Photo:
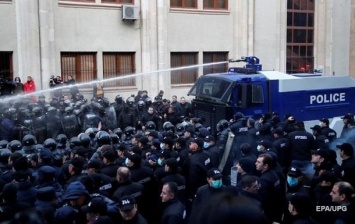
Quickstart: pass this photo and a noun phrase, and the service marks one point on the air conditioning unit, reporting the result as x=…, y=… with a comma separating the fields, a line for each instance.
x=130, y=12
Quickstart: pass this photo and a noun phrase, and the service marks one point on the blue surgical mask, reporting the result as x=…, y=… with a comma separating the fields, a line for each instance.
x=160, y=162
x=216, y=184
x=162, y=146
x=292, y=181
x=205, y=145
x=126, y=161
x=259, y=148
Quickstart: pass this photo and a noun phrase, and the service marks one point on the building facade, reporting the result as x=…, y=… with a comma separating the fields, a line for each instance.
x=151, y=39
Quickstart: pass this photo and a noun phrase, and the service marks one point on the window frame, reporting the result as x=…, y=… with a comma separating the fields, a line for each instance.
x=215, y=5
x=300, y=53
x=183, y=4
x=78, y=73
x=118, y=62
x=183, y=72
x=7, y=57
x=214, y=55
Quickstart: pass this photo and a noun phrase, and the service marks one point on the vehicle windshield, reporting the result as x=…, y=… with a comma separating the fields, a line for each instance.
x=212, y=89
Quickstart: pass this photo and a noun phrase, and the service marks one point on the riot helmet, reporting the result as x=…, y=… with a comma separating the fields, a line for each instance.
x=148, y=101
x=4, y=155
x=68, y=110
x=103, y=138
x=84, y=139
x=168, y=126
x=129, y=131
x=119, y=99
x=3, y=144
x=14, y=145
x=179, y=129
x=50, y=144
x=114, y=138
x=221, y=125
x=37, y=111
x=90, y=132
x=118, y=132
x=74, y=141
x=130, y=101
x=61, y=139
x=29, y=140
x=141, y=104
x=197, y=127
x=150, y=126
x=11, y=113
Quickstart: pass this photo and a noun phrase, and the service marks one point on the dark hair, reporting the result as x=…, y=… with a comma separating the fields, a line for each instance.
x=347, y=151
x=251, y=122
x=267, y=159
x=89, y=183
x=248, y=180
x=228, y=207
x=245, y=148
x=173, y=188
x=346, y=189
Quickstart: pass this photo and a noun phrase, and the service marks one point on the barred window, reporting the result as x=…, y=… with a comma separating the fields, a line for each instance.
x=81, y=65
x=215, y=4
x=184, y=76
x=300, y=32
x=211, y=57
x=77, y=0
x=118, y=1
x=6, y=66
x=118, y=64
x=183, y=3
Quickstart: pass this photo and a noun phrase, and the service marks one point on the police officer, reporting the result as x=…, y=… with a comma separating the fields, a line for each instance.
x=321, y=141
x=145, y=176
x=214, y=186
x=53, y=123
x=281, y=146
x=196, y=167
x=174, y=210
x=75, y=196
x=9, y=131
x=301, y=144
x=70, y=123
x=125, y=186
x=39, y=124
x=326, y=130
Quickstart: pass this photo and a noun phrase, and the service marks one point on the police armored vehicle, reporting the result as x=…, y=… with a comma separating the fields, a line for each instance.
x=252, y=91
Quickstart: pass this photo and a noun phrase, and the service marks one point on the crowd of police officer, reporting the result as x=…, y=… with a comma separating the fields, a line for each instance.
x=60, y=155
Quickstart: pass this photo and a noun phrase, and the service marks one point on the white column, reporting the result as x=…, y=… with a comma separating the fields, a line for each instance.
x=163, y=57
x=47, y=41
x=28, y=41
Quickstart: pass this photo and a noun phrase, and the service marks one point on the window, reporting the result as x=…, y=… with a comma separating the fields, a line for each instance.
x=6, y=66
x=118, y=65
x=77, y=0
x=300, y=33
x=82, y=66
x=183, y=3
x=183, y=76
x=212, y=57
x=118, y=1
x=215, y=4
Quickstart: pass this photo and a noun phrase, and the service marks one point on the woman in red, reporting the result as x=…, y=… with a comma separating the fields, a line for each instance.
x=29, y=87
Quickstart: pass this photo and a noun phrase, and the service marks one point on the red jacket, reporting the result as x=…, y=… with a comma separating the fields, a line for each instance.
x=29, y=87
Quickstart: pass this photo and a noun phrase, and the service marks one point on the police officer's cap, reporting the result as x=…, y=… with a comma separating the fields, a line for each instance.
x=46, y=194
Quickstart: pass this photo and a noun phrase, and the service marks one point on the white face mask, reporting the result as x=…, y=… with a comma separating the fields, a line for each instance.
x=259, y=148
x=162, y=146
